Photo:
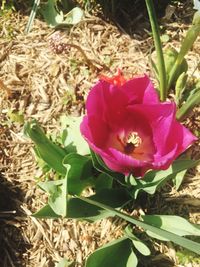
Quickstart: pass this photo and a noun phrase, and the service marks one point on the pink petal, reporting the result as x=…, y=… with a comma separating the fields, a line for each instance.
x=120, y=162
x=140, y=90
x=94, y=130
x=160, y=117
x=108, y=102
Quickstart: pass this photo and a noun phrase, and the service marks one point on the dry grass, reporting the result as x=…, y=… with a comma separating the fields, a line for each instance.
x=42, y=84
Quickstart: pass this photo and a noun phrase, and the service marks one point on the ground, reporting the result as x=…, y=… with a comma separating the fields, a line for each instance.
x=38, y=82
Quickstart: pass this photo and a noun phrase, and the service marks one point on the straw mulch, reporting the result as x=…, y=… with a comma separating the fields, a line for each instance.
x=39, y=82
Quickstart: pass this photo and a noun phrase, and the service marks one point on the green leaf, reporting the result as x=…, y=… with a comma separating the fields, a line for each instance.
x=139, y=245
x=48, y=151
x=80, y=174
x=173, y=224
x=170, y=56
x=178, y=179
x=73, y=140
x=46, y=212
x=52, y=17
x=63, y=263
x=79, y=209
x=153, y=180
x=55, y=18
x=187, y=43
x=182, y=241
x=192, y=101
x=117, y=253
x=180, y=86
x=103, y=181
x=57, y=191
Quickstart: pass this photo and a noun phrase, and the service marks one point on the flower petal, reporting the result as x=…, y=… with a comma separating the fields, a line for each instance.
x=118, y=111
x=125, y=164
x=108, y=102
x=140, y=90
x=94, y=130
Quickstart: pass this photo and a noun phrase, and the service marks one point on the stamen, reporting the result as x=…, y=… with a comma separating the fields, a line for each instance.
x=134, y=139
x=130, y=142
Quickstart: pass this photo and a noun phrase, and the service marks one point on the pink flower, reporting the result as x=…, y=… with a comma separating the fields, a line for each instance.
x=130, y=128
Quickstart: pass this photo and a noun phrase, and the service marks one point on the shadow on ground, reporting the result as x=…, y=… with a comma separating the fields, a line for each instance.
x=132, y=18
x=13, y=246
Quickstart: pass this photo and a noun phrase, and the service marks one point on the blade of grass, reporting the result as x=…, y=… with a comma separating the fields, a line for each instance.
x=179, y=240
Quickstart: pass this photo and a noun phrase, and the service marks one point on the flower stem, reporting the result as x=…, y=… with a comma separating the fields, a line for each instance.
x=158, y=47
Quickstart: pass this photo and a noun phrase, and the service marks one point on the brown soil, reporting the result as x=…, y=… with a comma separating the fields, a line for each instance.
x=43, y=84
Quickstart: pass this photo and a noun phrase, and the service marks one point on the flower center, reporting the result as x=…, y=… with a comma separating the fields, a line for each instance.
x=133, y=138
x=130, y=142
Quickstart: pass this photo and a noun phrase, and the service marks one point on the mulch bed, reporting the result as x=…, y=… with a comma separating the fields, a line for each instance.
x=41, y=83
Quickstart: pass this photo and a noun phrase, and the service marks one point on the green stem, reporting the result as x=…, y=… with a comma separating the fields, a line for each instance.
x=158, y=47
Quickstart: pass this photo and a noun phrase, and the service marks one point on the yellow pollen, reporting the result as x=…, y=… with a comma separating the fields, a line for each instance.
x=134, y=139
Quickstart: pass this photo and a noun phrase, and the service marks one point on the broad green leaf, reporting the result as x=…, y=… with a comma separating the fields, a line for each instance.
x=170, y=56
x=156, y=236
x=57, y=191
x=73, y=139
x=48, y=151
x=132, y=260
x=46, y=212
x=55, y=17
x=80, y=174
x=58, y=199
x=182, y=241
x=173, y=224
x=79, y=209
x=178, y=179
x=40, y=162
x=103, y=181
x=117, y=253
x=138, y=244
x=52, y=17
x=63, y=263
x=153, y=180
